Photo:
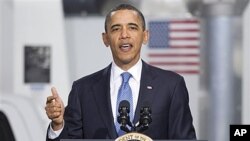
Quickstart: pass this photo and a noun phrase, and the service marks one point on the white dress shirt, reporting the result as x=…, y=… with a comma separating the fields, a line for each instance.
x=115, y=82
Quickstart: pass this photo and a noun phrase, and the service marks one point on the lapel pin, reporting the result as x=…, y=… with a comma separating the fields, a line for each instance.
x=149, y=87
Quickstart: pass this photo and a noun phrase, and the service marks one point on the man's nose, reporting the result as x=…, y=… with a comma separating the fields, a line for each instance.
x=124, y=33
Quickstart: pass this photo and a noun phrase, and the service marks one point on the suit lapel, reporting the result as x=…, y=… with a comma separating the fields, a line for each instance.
x=146, y=93
x=102, y=95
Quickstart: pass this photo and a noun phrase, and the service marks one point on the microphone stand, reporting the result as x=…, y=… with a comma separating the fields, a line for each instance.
x=145, y=119
x=124, y=120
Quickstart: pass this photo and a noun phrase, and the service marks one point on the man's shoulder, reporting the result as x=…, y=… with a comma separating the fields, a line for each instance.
x=162, y=72
x=165, y=78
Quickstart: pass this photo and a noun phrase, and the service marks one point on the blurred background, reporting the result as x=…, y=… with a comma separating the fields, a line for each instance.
x=45, y=43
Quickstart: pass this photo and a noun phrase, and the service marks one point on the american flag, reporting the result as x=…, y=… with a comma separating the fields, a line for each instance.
x=175, y=45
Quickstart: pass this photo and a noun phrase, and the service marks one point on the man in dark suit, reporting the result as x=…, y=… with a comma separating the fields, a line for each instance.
x=91, y=110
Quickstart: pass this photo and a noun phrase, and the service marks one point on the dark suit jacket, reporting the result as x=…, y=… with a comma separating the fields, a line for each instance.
x=88, y=113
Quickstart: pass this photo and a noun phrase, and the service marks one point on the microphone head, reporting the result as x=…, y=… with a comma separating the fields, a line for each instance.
x=145, y=114
x=124, y=106
x=123, y=117
x=124, y=103
x=145, y=117
x=145, y=108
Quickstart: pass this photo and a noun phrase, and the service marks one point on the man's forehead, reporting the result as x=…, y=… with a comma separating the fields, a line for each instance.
x=127, y=17
x=123, y=10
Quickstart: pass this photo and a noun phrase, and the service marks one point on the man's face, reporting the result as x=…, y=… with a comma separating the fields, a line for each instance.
x=125, y=37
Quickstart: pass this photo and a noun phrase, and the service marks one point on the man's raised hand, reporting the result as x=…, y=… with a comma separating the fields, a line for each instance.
x=55, y=109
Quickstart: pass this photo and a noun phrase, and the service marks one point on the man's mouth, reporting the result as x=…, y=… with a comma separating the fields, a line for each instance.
x=125, y=47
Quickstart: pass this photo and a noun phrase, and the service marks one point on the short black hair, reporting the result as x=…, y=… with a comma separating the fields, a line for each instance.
x=125, y=7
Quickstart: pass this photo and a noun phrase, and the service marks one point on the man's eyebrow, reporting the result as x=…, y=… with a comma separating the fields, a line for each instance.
x=118, y=25
x=134, y=24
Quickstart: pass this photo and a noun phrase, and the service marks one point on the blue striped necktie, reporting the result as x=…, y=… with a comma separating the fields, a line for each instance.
x=124, y=93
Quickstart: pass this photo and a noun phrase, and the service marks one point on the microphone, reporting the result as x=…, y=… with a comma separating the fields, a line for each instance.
x=145, y=118
x=123, y=117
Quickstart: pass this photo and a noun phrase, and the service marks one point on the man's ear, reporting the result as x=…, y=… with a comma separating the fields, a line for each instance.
x=145, y=37
x=105, y=39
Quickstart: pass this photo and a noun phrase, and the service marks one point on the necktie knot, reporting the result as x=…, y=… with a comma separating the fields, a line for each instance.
x=125, y=77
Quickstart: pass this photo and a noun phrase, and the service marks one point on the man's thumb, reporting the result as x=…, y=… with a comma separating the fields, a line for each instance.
x=55, y=94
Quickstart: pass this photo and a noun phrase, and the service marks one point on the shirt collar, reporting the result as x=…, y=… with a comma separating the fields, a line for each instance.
x=135, y=71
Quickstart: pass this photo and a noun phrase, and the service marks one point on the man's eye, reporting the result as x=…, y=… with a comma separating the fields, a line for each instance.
x=114, y=29
x=133, y=28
